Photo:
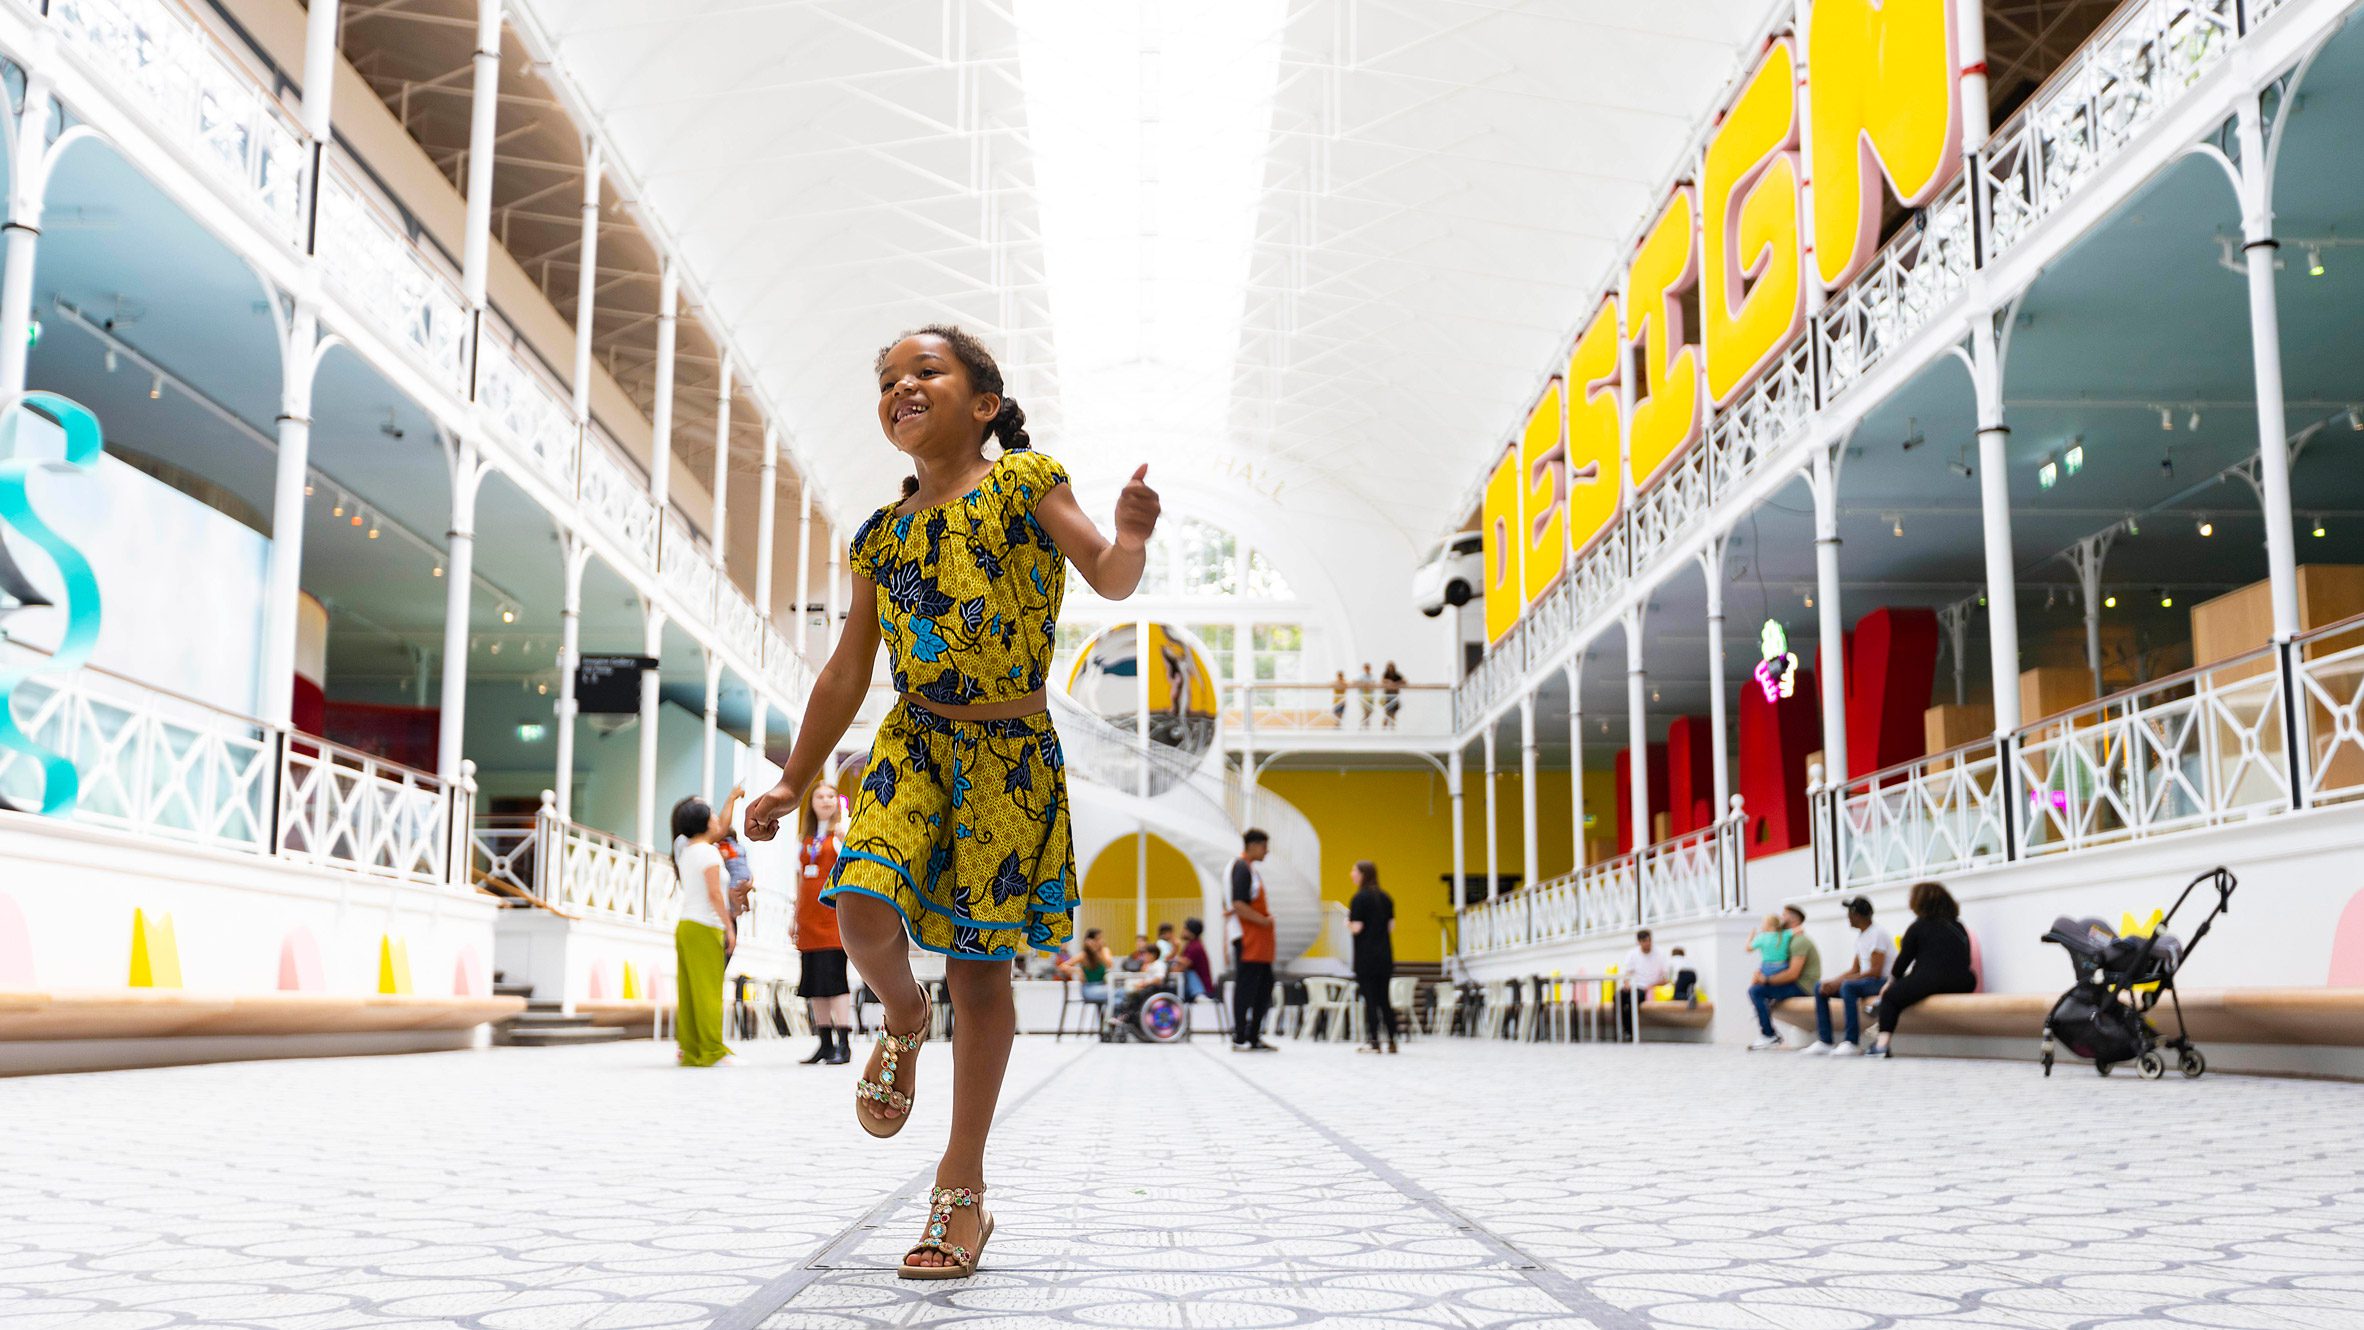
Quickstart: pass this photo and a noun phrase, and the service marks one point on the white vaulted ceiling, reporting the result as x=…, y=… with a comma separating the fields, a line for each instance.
x=1324, y=249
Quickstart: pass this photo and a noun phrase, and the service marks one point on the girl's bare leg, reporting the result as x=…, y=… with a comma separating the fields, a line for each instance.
x=985, y=1020
x=874, y=941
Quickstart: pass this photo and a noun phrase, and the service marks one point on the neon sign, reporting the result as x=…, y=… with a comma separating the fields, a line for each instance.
x=1777, y=672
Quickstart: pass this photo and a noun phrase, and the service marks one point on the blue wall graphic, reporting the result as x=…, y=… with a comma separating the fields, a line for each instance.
x=61, y=786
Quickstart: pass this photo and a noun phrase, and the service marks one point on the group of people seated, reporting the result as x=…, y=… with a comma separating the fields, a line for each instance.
x=1934, y=956
x=1151, y=964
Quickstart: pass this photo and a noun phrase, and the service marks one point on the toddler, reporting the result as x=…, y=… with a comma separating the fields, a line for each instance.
x=1771, y=944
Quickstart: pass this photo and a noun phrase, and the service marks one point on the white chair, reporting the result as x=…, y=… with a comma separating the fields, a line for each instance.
x=1333, y=998
x=1403, y=994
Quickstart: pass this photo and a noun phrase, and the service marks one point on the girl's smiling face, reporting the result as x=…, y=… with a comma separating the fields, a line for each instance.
x=926, y=403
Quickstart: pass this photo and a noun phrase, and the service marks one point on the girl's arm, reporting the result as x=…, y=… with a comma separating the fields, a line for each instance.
x=1113, y=568
x=837, y=695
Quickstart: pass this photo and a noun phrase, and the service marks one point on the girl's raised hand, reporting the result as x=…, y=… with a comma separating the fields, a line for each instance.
x=1136, y=509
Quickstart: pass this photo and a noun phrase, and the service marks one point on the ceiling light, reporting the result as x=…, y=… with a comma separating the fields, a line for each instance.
x=1896, y=526
x=2109, y=602
x=357, y=517
x=2133, y=526
x=2314, y=260
x=542, y=689
x=1809, y=600
x=2050, y=595
x=307, y=491
x=2167, y=466
x=2194, y=422
x=496, y=648
x=111, y=360
x=1960, y=468
x=1653, y=694
x=2356, y=419
x=2207, y=528
x=2166, y=602
x=373, y=531
x=2318, y=532
x=1913, y=437
x=155, y=387
x=2167, y=420
x=439, y=570
x=339, y=510
x=508, y=615
x=2048, y=474
x=2073, y=460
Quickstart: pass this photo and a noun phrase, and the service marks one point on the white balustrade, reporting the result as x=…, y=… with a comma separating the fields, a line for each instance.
x=1922, y=271
x=2330, y=668
x=685, y=568
x=615, y=496
x=1937, y=815
x=148, y=762
x=1770, y=412
x=737, y=621
x=1692, y=876
x=523, y=401
x=371, y=256
x=593, y=872
x=2196, y=749
x=1670, y=508
x=1281, y=709
x=343, y=808
x=219, y=113
x=2123, y=77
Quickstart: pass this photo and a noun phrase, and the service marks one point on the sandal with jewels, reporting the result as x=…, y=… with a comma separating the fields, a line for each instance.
x=888, y=1108
x=941, y=1203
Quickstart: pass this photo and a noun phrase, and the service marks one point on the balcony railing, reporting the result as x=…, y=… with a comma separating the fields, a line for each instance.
x=2204, y=748
x=576, y=870
x=216, y=109
x=196, y=96
x=2118, y=83
x=1693, y=876
x=1284, y=709
x=155, y=764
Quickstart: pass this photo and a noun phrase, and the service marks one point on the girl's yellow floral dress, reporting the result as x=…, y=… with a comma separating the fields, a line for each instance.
x=962, y=825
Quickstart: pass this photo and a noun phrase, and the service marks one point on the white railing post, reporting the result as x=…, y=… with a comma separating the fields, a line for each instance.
x=660, y=416
x=29, y=181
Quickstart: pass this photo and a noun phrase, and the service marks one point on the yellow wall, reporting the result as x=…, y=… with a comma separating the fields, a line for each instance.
x=1402, y=822
x=1110, y=876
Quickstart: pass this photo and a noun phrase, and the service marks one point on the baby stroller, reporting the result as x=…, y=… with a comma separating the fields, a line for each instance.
x=2106, y=1016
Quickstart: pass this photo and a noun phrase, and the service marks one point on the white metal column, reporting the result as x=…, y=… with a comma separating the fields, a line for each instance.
x=660, y=415
x=1994, y=504
x=1832, y=661
x=834, y=596
x=320, y=70
x=1141, y=659
x=767, y=505
x=1637, y=737
x=29, y=181
x=804, y=566
x=576, y=557
x=1530, y=838
x=1493, y=824
x=1453, y=792
x=586, y=285
x=1711, y=562
x=722, y=468
x=459, y=581
x=1576, y=757
x=707, y=739
x=652, y=638
x=2258, y=248
x=298, y=357
x=483, y=121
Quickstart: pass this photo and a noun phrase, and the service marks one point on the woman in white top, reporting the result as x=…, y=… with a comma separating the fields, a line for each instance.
x=703, y=940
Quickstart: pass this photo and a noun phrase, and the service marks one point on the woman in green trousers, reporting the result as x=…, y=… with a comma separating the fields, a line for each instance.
x=703, y=940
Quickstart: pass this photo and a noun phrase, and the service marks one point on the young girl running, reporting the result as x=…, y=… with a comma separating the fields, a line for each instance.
x=959, y=836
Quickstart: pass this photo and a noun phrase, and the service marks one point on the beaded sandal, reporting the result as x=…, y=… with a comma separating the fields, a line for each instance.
x=894, y=1106
x=941, y=1202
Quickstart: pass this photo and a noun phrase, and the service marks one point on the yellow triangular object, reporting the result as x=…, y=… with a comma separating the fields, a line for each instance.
x=631, y=982
x=393, y=966
x=155, y=953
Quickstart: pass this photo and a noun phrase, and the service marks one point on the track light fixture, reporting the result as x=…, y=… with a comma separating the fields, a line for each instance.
x=2318, y=532
x=508, y=614
x=112, y=361
x=2207, y=527
x=155, y=387
x=2314, y=260
x=2109, y=602
x=2167, y=420
x=2194, y=421
x=2166, y=601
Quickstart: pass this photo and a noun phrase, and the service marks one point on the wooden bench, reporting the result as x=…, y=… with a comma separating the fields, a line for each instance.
x=1684, y=1015
x=149, y=1013
x=636, y=1014
x=2322, y=1016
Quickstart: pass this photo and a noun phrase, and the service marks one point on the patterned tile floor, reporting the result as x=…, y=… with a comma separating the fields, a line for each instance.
x=1456, y=1185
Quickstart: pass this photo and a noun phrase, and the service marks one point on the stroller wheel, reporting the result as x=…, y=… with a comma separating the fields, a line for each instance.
x=2151, y=1065
x=2192, y=1064
x=2047, y=1062
x=2103, y=1068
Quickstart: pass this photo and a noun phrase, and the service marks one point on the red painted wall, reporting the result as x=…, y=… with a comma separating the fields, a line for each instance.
x=1775, y=739
x=408, y=735
x=1891, y=664
x=1690, y=775
x=1657, y=780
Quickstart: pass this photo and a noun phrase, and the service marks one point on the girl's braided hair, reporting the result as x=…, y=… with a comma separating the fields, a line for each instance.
x=1008, y=424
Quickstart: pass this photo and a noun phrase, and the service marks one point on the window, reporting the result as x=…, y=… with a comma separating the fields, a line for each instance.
x=1219, y=639
x=1279, y=652
x=1265, y=581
